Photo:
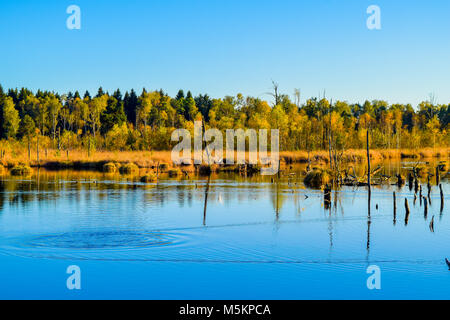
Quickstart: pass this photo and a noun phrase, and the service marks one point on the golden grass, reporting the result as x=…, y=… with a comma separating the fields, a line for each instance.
x=358, y=155
x=151, y=159
x=143, y=159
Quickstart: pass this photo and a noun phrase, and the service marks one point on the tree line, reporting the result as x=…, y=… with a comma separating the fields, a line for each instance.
x=145, y=121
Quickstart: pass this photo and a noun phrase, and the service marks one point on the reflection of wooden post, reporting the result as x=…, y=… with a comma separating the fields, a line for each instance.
x=395, y=208
x=369, y=222
x=279, y=168
x=206, y=201
x=425, y=201
x=327, y=197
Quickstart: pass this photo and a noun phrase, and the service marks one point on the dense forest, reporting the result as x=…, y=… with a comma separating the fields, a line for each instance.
x=145, y=121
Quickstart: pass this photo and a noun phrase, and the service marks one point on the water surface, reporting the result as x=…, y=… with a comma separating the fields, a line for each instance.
x=256, y=238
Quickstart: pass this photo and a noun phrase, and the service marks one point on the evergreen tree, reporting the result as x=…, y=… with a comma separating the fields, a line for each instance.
x=14, y=94
x=130, y=106
x=10, y=118
x=87, y=95
x=113, y=114
x=100, y=92
x=204, y=104
x=180, y=95
x=118, y=95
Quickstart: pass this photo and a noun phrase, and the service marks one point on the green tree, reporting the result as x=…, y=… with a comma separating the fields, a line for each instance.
x=54, y=107
x=96, y=107
x=27, y=129
x=10, y=118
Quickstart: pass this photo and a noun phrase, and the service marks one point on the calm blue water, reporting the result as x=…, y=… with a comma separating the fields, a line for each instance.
x=258, y=240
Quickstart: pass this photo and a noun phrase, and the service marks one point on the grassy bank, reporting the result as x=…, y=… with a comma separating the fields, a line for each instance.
x=79, y=159
x=360, y=155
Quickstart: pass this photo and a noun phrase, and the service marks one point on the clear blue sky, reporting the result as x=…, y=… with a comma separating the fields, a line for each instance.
x=230, y=46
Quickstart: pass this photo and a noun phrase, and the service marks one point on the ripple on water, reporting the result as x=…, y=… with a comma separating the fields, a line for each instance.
x=93, y=245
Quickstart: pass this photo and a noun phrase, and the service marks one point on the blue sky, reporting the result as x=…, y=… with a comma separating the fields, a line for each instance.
x=229, y=46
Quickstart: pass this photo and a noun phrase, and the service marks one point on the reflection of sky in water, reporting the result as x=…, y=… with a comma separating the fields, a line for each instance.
x=276, y=239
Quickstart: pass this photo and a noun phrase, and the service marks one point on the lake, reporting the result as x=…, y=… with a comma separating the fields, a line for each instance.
x=223, y=237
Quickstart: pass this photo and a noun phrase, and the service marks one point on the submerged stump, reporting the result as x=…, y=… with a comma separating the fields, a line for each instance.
x=21, y=170
x=110, y=167
x=129, y=168
x=317, y=179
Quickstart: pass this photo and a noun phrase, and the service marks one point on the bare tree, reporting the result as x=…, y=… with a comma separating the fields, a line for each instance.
x=297, y=97
x=275, y=93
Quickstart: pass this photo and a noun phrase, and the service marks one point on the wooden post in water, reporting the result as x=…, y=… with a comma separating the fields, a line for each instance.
x=429, y=189
x=432, y=224
x=437, y=176
x=420, y=194
x=425, y=201
x=410, y=181
x=429, y=196
x=416, y=185
x=368, y=161
x=329, y=138
x=157, y=172
x=329, y=150
x=407, y=211
x=442, y=198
